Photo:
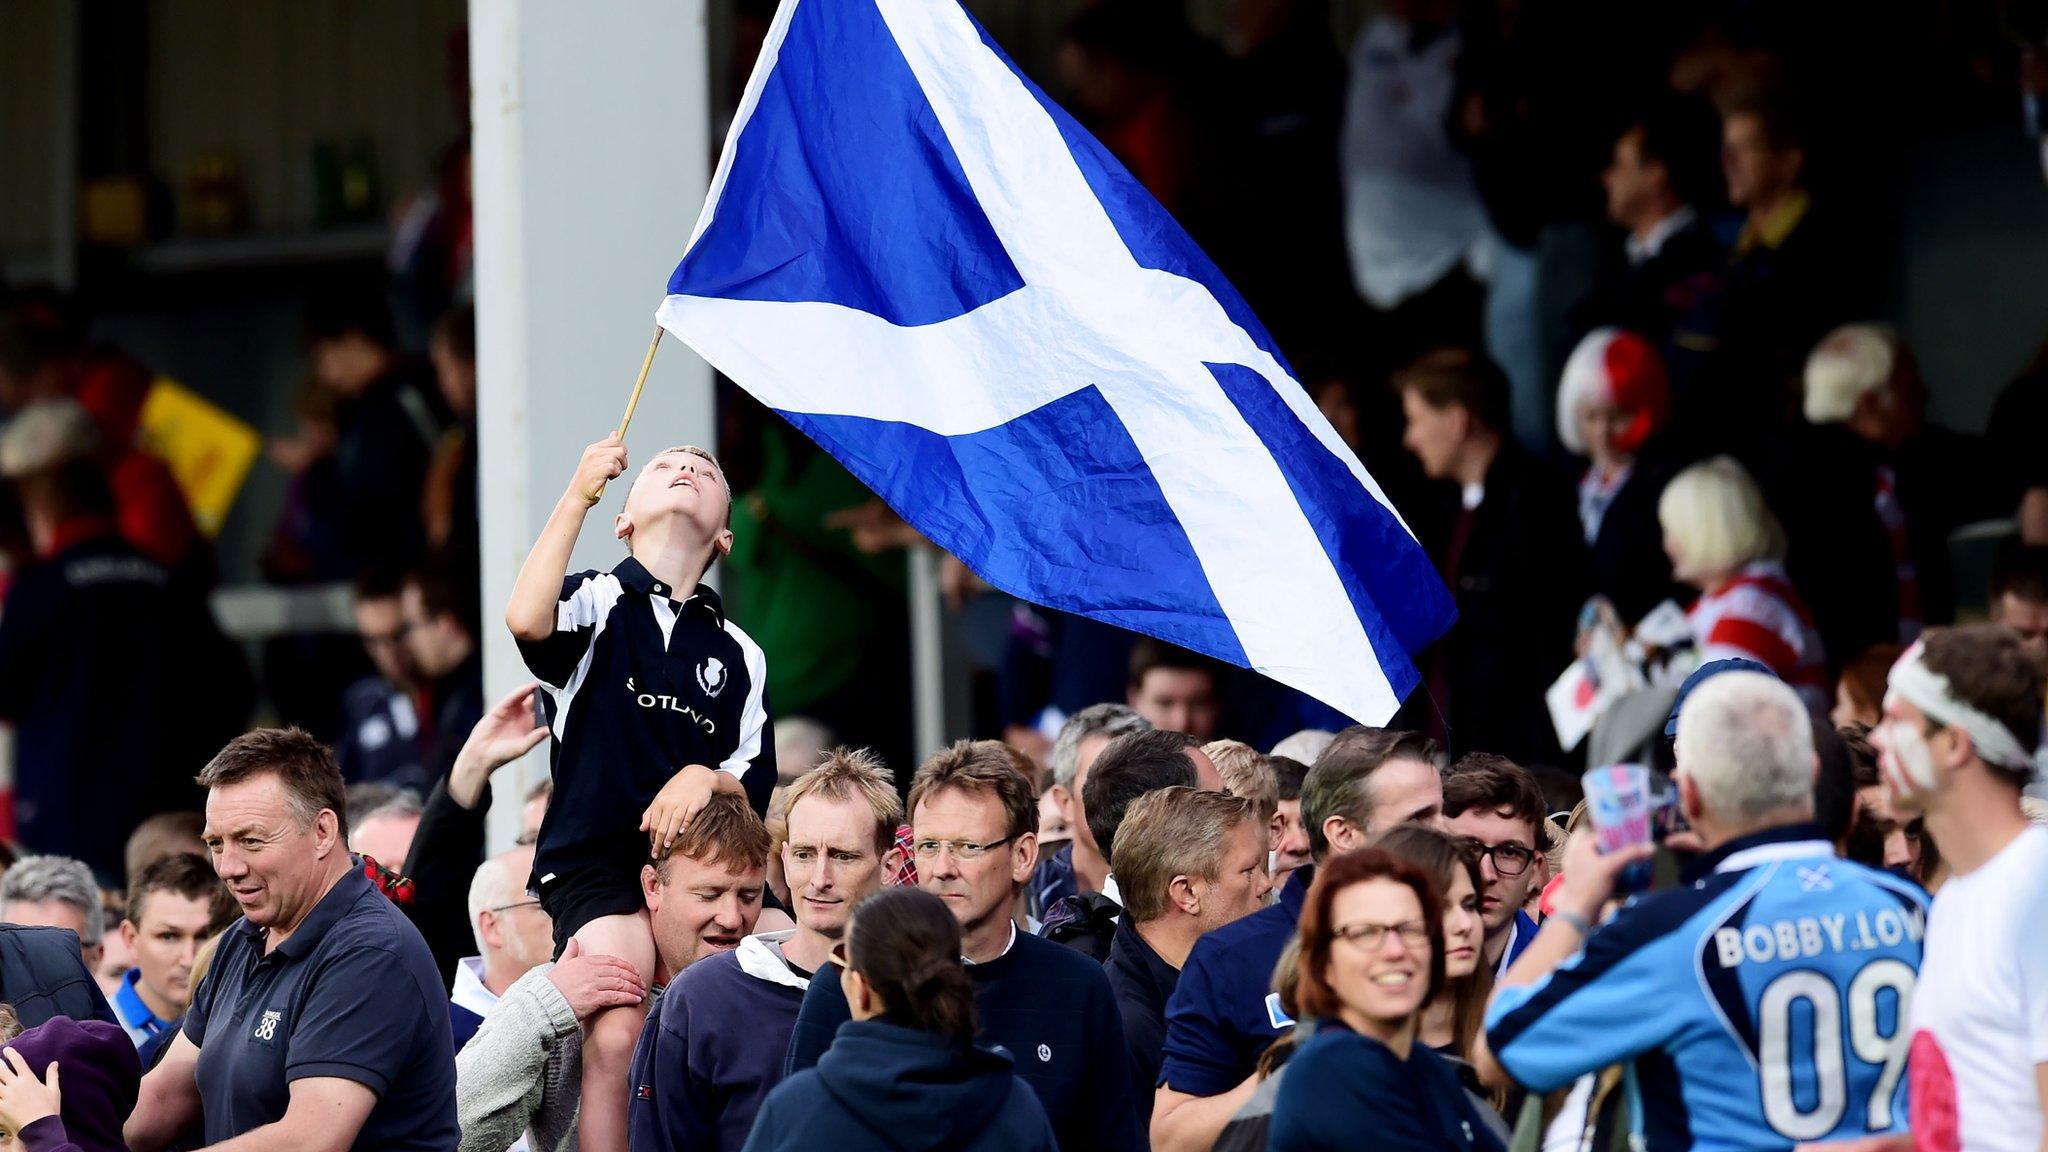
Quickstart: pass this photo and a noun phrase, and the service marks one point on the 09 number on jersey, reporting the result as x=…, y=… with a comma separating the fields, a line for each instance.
x=1806, y=1071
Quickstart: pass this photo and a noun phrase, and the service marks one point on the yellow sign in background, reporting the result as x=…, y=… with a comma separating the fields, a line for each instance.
x=206, y=447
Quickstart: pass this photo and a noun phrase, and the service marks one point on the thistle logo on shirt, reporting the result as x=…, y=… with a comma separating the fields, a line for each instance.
x=711, y=676
x=266, y=1028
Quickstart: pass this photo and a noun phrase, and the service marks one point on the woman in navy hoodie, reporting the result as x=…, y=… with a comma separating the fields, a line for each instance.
x=1372, y=957
x=904, y=1075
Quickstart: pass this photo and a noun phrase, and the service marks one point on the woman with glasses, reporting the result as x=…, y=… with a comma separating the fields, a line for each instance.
x=905, y=1071
x=1372, y=960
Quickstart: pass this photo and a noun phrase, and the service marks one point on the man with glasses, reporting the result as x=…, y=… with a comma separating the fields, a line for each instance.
x=513, y=936
x=1495, y=806
x=380, y=730
x=973, y=819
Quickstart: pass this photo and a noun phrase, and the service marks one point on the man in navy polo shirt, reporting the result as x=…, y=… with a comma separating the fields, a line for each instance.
x=1224, y=1012
x=322, y=1025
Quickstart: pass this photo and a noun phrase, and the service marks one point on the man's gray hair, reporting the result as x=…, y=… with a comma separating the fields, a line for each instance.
x=494, y=886
x=1306, y=745
x=1108, y=721
x=42, y=879
x=1746, y=742
x=372, y=799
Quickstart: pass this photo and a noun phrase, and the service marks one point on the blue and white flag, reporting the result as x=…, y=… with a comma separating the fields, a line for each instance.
x=934, y=272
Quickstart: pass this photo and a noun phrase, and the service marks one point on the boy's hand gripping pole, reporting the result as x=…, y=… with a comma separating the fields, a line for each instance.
x=632, y=402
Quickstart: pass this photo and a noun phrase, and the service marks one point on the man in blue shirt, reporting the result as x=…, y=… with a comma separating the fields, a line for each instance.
x=322, y=1023
x=174, y=906
x=1224, y=1013
x=1495, y=806
x=1762, y=1006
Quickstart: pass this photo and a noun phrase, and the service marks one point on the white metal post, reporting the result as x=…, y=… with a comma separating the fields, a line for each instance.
x=591, y=137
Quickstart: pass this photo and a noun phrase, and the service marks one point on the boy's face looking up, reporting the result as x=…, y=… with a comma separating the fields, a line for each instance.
x=685, y=488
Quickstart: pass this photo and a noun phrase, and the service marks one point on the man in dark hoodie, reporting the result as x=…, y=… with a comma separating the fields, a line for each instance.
x=67, y=1086
x=974, y=815
x=905, y=1073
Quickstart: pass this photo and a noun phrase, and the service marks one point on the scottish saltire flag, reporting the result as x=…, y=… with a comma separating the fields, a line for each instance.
x=929, y=268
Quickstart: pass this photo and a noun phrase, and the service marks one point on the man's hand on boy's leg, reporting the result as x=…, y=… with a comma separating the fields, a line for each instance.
x=592, y=984
x=602, y=462
x=679, y=801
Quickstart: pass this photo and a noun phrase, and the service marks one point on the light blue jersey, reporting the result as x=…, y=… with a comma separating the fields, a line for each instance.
x=1764, y=1006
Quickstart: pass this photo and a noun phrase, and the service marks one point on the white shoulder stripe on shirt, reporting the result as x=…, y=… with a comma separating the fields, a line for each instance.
x=589, y=607
x=754, y=713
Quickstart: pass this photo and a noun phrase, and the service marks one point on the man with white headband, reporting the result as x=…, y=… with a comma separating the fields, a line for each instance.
x=1956, y=743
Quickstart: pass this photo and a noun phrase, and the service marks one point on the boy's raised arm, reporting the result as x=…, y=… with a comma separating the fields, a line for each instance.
x=531, y=614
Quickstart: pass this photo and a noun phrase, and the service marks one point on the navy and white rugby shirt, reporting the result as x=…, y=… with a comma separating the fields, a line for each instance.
x=637, y=685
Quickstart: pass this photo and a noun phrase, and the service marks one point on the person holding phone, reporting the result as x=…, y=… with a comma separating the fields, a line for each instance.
x=1777, y=979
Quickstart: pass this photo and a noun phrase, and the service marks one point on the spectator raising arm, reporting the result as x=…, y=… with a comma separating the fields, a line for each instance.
x=1589, y=881
x=450, y=842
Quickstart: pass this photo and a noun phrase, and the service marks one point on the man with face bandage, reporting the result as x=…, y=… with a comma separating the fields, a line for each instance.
x=1961, y=712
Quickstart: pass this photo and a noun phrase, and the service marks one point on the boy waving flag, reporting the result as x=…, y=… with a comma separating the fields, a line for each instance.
x=929, y=268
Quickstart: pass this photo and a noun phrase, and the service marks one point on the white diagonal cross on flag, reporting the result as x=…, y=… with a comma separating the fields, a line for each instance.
x=1088, y=315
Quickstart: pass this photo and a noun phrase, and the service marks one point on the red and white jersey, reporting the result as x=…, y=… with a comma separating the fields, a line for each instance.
x=1980, y=1009
x=1757, y=615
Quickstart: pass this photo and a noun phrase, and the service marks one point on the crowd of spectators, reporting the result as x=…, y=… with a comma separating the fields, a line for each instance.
x=1589, y=287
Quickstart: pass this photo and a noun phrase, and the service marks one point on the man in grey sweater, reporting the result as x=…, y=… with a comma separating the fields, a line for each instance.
x=522, y=1073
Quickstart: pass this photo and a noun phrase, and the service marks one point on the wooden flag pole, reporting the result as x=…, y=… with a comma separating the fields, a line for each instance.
x=632, y=402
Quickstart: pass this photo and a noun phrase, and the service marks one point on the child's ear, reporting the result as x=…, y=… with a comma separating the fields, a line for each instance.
x=622, y=527
x=723, y=542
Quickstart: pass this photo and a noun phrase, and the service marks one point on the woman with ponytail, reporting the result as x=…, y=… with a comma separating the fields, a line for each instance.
x=904, y=1075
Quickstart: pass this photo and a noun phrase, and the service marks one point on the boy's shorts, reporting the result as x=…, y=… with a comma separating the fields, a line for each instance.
x=575, y=898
